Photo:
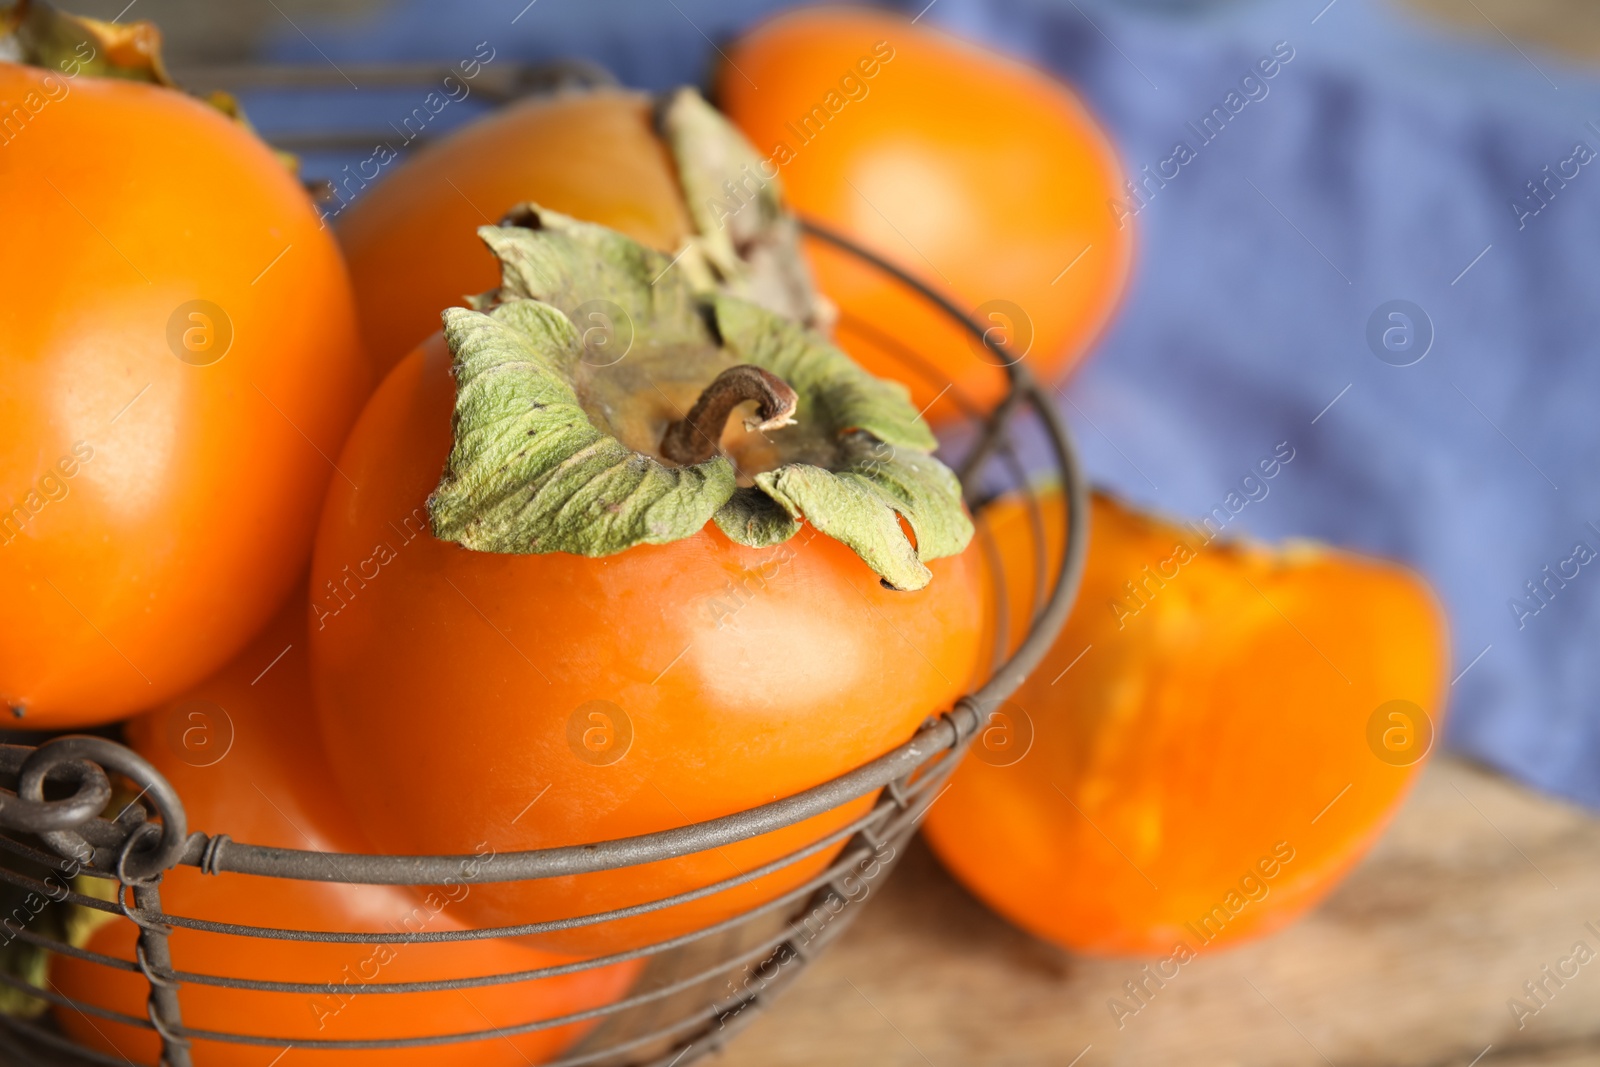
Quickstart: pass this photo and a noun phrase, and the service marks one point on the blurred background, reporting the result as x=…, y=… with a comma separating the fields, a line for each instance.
x=1394, y=158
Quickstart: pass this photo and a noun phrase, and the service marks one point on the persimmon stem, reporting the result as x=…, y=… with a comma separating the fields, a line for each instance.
x=693, y=439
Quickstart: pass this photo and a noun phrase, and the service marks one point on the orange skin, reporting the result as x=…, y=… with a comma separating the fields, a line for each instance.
x=270, y=787
x=1187, y=746
x=412, y=242
x=166, y=508
x=983, y=177
x=448, y=680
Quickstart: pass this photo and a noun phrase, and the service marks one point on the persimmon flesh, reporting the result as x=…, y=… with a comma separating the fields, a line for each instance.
x=1242, y=723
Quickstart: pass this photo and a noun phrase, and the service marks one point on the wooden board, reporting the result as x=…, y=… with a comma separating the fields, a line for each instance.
x=1570, y=28
x=1477, y=885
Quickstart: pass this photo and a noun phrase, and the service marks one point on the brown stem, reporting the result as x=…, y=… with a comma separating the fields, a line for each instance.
x=693, y=439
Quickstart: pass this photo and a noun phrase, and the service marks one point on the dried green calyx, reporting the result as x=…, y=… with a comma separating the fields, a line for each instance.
x=35, y=33
x=48, y=914
x=576, y=376
x=746, y=242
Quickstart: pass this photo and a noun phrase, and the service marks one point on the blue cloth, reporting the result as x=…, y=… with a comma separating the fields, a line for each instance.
x=1380, y=164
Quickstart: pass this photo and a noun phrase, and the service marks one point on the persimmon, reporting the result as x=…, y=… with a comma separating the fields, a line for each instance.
x=594, y=659
x=1220, y=732
x=645, y=167
x=985, y=178
x=241, y=750
x=181, y=362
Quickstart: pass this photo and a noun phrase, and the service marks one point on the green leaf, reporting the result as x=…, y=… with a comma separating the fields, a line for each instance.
x=39, y=34
x=752, y=518
x=736, y=204
x=529, y=472
x=917, y=486
x=36, y=33
x=539, y=461
x=860, y=506
x=568, y=264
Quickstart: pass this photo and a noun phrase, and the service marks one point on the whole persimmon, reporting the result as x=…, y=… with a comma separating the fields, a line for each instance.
x=1220, y=732
x=984, y=178
x=181, y=363
x=647, y=619
x=652, y=169
x=241, y=750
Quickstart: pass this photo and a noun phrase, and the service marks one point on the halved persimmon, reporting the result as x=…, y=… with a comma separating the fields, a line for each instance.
x=1219, y=733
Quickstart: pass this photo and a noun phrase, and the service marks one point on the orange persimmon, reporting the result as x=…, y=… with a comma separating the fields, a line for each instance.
x=653, y=169
x=625, y=638
x=181, y=360
x=471, y=681
x=242, y=751
x=411, y=240
x=1220, y=732
x=985, y=178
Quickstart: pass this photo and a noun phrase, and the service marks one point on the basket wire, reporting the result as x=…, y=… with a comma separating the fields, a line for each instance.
x=136, y=849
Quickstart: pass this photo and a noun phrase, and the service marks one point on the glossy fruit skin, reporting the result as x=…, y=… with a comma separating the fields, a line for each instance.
x=166, y=507
x=455, y=687
x=1194, y=747
x=981, y=176
x=242, y=751
x=412, y=242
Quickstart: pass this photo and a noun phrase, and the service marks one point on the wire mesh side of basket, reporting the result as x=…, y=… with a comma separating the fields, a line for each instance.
x=733, y=967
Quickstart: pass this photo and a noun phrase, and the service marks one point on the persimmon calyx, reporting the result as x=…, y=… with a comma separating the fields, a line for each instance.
x=746, y=241
x=51, y=915
x=35, y=33
x=573, y=377
x=38, y=34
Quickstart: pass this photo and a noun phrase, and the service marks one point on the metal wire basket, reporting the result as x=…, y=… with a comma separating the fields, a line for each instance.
x=667, y=1018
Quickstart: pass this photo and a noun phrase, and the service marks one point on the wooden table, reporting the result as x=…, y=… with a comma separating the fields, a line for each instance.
x=1570, y=27
x=1477, y=885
